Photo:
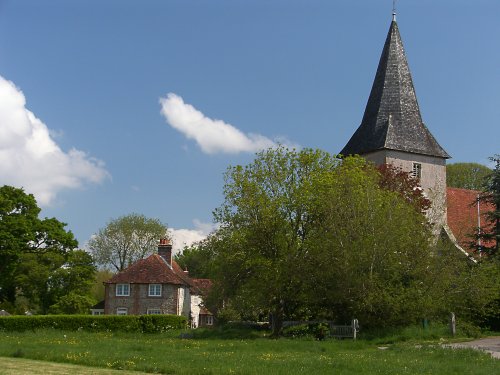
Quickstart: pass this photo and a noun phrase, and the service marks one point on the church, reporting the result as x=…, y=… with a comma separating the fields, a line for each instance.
x=392, y=132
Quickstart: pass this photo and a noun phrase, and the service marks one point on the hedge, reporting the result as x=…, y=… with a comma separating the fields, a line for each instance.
x=99, y=323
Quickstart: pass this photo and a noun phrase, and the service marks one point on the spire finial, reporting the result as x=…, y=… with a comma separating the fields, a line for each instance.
x=394, y=10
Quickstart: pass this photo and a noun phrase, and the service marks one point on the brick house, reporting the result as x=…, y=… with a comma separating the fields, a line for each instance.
x=158, y=285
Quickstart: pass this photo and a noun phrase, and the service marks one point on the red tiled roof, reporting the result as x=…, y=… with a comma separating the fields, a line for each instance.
x=153, y=269
x=462, y=214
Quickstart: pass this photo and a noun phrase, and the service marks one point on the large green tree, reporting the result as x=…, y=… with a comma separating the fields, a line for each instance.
x=125, y=240
x=39, y=262
x=466, y=175
x=306, y=234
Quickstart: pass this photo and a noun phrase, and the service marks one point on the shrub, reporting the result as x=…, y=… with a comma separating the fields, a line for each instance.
x=128, y=323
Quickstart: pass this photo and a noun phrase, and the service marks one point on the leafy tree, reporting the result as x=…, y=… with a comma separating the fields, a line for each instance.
x=97, y=290
x=32, y=250
x=43, y=279
x=125, y=240
x=73, y=303
x=466, y=175
x=196, y=259
x=395, y=179
x=266, y=220
x=489, y=234
x=307, y=235
x=370, y=255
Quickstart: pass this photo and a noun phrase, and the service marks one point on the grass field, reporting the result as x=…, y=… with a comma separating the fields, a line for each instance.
x=237, y=353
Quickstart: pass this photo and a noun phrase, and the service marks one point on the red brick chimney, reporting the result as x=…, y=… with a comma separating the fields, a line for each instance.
x=165, y=250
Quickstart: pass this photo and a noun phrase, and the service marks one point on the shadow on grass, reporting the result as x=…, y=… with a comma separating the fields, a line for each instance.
x=225, y=333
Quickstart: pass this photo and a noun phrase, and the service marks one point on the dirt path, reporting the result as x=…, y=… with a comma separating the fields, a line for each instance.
x=489, y=344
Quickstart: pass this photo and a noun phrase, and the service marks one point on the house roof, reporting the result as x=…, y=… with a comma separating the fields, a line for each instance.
x=151, y=270
x=463, y=216
x=98, y=306
x=392, y=118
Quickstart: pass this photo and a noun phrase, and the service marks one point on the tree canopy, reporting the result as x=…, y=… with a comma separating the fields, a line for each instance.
x=306, y=234
x=466, y=175
x=39, y=260
x=125, y=240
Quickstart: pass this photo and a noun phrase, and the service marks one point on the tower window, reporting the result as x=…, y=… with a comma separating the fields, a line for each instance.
x=417, y=170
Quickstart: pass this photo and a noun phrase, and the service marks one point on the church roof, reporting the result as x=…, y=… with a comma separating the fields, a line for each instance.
x=392, y=117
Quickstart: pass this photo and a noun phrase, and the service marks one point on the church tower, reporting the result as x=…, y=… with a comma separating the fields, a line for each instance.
x=392, y=130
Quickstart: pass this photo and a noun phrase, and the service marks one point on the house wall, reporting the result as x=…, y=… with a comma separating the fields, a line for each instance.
x=195, y=309
x=139, y=302
x=433, y=178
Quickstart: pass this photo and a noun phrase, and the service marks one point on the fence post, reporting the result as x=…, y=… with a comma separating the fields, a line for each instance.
x=355, y=326
x=453, y=329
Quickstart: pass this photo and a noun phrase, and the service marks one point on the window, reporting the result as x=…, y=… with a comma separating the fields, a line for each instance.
x=417, y=170
x=122, y=290
x=210, y=320
x=97, y=312
x=154, y=311
x=154, y=290
x=121, y=311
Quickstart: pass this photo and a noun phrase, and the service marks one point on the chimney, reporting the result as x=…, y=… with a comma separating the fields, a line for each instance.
x=165, y=250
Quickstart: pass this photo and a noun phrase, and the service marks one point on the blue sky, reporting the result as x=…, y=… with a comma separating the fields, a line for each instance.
x=113, y=107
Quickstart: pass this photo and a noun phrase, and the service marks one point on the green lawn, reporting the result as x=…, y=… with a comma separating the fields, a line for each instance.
x=211, y=354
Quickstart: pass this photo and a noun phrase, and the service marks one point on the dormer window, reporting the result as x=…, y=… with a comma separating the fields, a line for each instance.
x=154, y=290
x=122, y=290
x=416, y=171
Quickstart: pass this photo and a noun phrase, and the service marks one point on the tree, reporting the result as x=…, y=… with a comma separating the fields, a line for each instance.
x=196, y=259
x=23, y=232
x=395, y=179
x=97, y=290
x=125, y=240
x=466, y=175
x=490, y=232
x=45, y=279
x=305, y=234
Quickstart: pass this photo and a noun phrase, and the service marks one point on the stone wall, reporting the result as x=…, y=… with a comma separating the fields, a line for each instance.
x=139, y=302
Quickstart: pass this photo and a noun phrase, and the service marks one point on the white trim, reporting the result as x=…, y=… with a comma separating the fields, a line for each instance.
x=121, y=311
x=154, y=290
x=122, y=290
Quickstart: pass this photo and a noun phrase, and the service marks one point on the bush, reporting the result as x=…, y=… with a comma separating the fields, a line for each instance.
x=128, y=323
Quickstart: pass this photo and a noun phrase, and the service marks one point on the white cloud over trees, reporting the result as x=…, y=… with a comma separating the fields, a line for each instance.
x=211, y=135
x=187, y=237
x=31, y=159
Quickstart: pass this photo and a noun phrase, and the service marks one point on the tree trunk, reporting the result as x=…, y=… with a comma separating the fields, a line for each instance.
x=277, y=321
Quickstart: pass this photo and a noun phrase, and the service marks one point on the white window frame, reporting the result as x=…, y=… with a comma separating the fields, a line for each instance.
x=122, y=290
x=154, y=290
x=210, y=320
x=417, y=170
x=154, y=311
x=121, y=311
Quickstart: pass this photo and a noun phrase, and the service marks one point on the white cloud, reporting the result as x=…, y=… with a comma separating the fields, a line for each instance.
x=186, y=237
x=211, y=135
x=30, y=158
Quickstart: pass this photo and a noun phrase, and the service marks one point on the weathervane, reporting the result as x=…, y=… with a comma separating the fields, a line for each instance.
x=394, y=10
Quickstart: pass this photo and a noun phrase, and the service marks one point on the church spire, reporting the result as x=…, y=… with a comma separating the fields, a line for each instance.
x=392, y=119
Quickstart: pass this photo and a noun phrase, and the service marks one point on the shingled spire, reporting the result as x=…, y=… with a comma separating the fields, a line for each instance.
x=392, y=119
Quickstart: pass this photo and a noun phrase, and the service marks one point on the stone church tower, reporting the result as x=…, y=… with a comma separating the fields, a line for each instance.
x=392, y=130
